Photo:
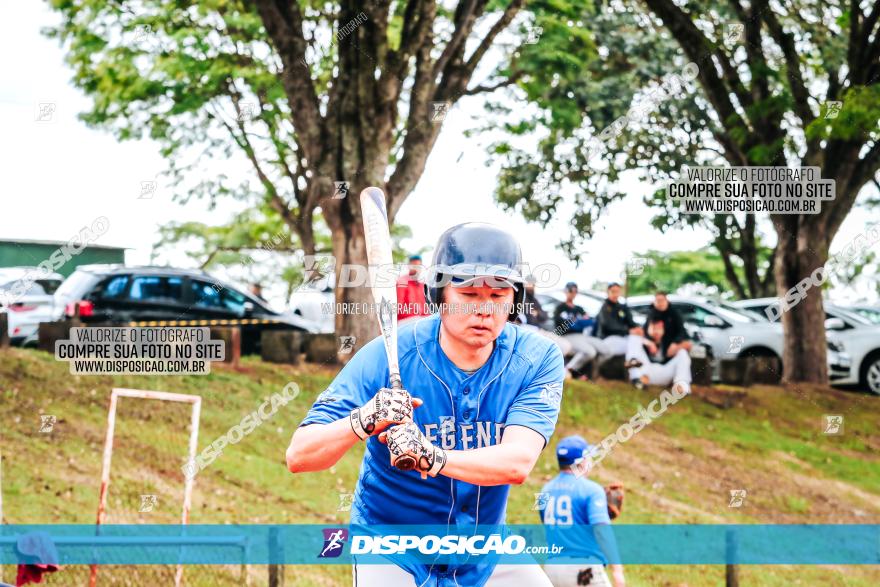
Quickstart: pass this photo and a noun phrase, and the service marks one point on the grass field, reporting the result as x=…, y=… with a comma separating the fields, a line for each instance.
x=680, y=469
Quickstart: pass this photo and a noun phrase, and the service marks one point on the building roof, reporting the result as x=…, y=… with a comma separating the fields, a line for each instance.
x=26, y=241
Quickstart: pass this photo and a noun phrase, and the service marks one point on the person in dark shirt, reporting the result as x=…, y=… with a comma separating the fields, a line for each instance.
x=675, y=336
x=570, y=320
x=664, y=356
x=567, y=312
x=616, y=333
x=533, y=313
x=615, y=320
x=533, y=317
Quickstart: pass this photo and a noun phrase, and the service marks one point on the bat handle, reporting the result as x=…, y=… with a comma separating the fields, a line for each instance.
x=405, y=463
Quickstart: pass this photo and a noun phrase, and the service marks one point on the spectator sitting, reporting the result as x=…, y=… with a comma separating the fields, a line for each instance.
x=533, y=317
x=411, y=302
x=615, y=331
x=570, y=321
x=667, y=359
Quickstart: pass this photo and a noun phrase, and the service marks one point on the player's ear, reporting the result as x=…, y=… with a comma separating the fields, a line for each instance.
x=416, y=402
x=383, y=437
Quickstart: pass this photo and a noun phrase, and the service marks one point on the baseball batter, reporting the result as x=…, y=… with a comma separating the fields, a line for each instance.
x=481, y=403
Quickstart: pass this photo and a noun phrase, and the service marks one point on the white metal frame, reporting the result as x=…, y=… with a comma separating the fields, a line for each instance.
x=118, y=392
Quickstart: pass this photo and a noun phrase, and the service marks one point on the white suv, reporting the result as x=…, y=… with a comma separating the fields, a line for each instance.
x=860, y=336
x=733, y=333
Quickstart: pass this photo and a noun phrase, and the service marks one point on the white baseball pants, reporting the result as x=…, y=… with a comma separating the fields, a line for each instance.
x=577, y=575
x=677, y=369
x=502, y=576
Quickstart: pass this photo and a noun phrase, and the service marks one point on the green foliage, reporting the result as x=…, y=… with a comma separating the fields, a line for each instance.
x=670, y=271
x=859, y=109
x=547, y=166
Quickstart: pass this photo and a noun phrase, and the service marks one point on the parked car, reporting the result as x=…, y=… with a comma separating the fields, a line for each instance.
x=119, y=294
x=868, y=311
x=860, y=336
x=29, y=295
x=313, y=304
x=732, y=333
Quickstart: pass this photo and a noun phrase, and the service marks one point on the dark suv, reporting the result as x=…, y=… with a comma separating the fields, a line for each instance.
x=123, y=295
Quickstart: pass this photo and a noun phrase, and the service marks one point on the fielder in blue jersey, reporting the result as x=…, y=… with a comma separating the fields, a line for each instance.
x=481, y=401
x=575, y=510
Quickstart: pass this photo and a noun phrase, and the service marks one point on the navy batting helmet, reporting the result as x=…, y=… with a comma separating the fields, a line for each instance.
x=475, y=252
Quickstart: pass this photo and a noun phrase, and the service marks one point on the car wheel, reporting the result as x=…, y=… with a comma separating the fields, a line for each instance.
x=871, y=374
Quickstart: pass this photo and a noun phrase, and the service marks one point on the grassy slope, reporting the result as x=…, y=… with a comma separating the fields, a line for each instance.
x=678, y=470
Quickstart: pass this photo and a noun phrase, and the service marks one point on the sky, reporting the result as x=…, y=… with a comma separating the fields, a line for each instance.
x=59, y=176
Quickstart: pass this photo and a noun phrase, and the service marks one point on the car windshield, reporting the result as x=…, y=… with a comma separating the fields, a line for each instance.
x=734, y=314
x=871, y=314
x=8, y=284
x=77, y=284
x=847, y=315
x=755, y=313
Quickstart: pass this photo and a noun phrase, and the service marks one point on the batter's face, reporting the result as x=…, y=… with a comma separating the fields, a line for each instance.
x=476, y=315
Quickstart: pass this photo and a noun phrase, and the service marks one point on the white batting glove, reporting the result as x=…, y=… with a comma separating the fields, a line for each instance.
x=388, y=406
x=407, y=441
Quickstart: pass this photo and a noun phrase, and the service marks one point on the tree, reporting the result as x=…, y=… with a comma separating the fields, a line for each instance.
x=254, y=247
x=764, y=99
x=310, y=93
x=703, y=271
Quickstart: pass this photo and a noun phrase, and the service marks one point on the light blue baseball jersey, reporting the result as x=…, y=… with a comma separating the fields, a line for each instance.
x=574, y=504
x=519, y=385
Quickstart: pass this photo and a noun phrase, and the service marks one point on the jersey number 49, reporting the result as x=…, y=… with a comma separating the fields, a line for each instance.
x=558, y=510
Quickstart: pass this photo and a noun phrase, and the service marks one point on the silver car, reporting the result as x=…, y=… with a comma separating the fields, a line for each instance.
x=26, y=296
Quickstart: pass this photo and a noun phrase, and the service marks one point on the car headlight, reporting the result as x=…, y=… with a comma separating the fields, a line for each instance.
x=836, y=346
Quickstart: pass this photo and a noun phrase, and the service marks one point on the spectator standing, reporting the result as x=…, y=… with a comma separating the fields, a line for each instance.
x=256, y=290
x=411, y=301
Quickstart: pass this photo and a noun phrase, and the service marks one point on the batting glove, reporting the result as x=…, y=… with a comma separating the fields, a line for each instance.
x=407, y=440
x=388, y=406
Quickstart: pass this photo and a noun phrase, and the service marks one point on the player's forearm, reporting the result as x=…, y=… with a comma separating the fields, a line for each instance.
x=493, y=465
x=319, y=446
x=617, y=575
x=605, y=538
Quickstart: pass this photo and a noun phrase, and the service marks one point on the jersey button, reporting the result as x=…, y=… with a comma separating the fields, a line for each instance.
x=465, y=509
x=467, y=390
x=467, y=414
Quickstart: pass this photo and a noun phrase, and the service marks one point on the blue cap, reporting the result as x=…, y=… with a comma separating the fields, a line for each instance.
x=570, y=449
x=415, y=257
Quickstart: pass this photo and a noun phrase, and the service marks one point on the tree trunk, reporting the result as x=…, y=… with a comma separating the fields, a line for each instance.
x=802, y=248
x=350, y=249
